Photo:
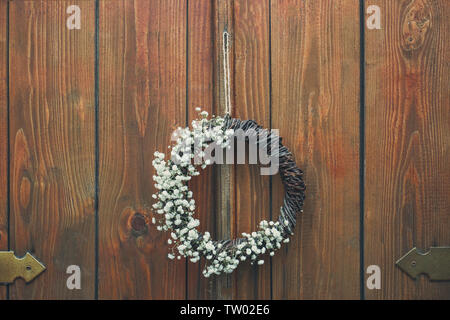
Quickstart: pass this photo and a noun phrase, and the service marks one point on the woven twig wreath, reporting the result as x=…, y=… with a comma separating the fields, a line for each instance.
x=175, y=206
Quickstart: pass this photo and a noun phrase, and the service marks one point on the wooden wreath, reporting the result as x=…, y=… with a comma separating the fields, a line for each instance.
x=175, y=206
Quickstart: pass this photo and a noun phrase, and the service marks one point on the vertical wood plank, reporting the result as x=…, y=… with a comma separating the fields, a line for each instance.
x=223, y=285
x=3, y=134
x=407, y=142
x=252, y=101
x=52, y=145
x=142, y=100
x=315, y=105
x=200, y=90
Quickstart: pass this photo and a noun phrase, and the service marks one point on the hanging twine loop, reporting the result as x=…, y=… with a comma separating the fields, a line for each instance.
x=226, y=44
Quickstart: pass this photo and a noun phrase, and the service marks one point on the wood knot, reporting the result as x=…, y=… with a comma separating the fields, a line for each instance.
x=25, y=192
x=416, y=24
x=139, y=224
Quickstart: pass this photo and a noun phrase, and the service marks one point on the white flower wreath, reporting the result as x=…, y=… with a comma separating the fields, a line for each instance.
x=175, y=206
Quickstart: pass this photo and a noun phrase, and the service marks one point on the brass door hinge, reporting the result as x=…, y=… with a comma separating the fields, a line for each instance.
x=435, y=263
x=12, y=267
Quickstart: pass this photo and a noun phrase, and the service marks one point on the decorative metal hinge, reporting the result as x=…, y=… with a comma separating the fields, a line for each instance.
x=12, y=267
x=435, y=263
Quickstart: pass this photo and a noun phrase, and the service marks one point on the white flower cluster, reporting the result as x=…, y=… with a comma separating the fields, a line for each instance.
x=175, y=206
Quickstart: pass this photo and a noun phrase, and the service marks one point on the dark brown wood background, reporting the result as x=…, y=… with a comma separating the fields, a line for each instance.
x=365, y=112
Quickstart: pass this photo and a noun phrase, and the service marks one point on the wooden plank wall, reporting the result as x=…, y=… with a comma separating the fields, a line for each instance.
x=225, y=175
x=52, y=129
x=142, y=100
x=407, y=142
x=316, y=108
x=201, y=94
x=252, y=101
x=3, y=132
x=87, y=109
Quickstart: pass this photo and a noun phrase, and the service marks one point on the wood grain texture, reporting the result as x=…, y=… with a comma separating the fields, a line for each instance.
x=407, y=141
x=223, y=285
x=315, y=105
x=142, y=100
x=252, y=101
x=295, y=68
x=52, y=145
x=200, y=90
x=3, y=134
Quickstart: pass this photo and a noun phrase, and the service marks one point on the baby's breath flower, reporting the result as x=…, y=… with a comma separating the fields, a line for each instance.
x=176, y=205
